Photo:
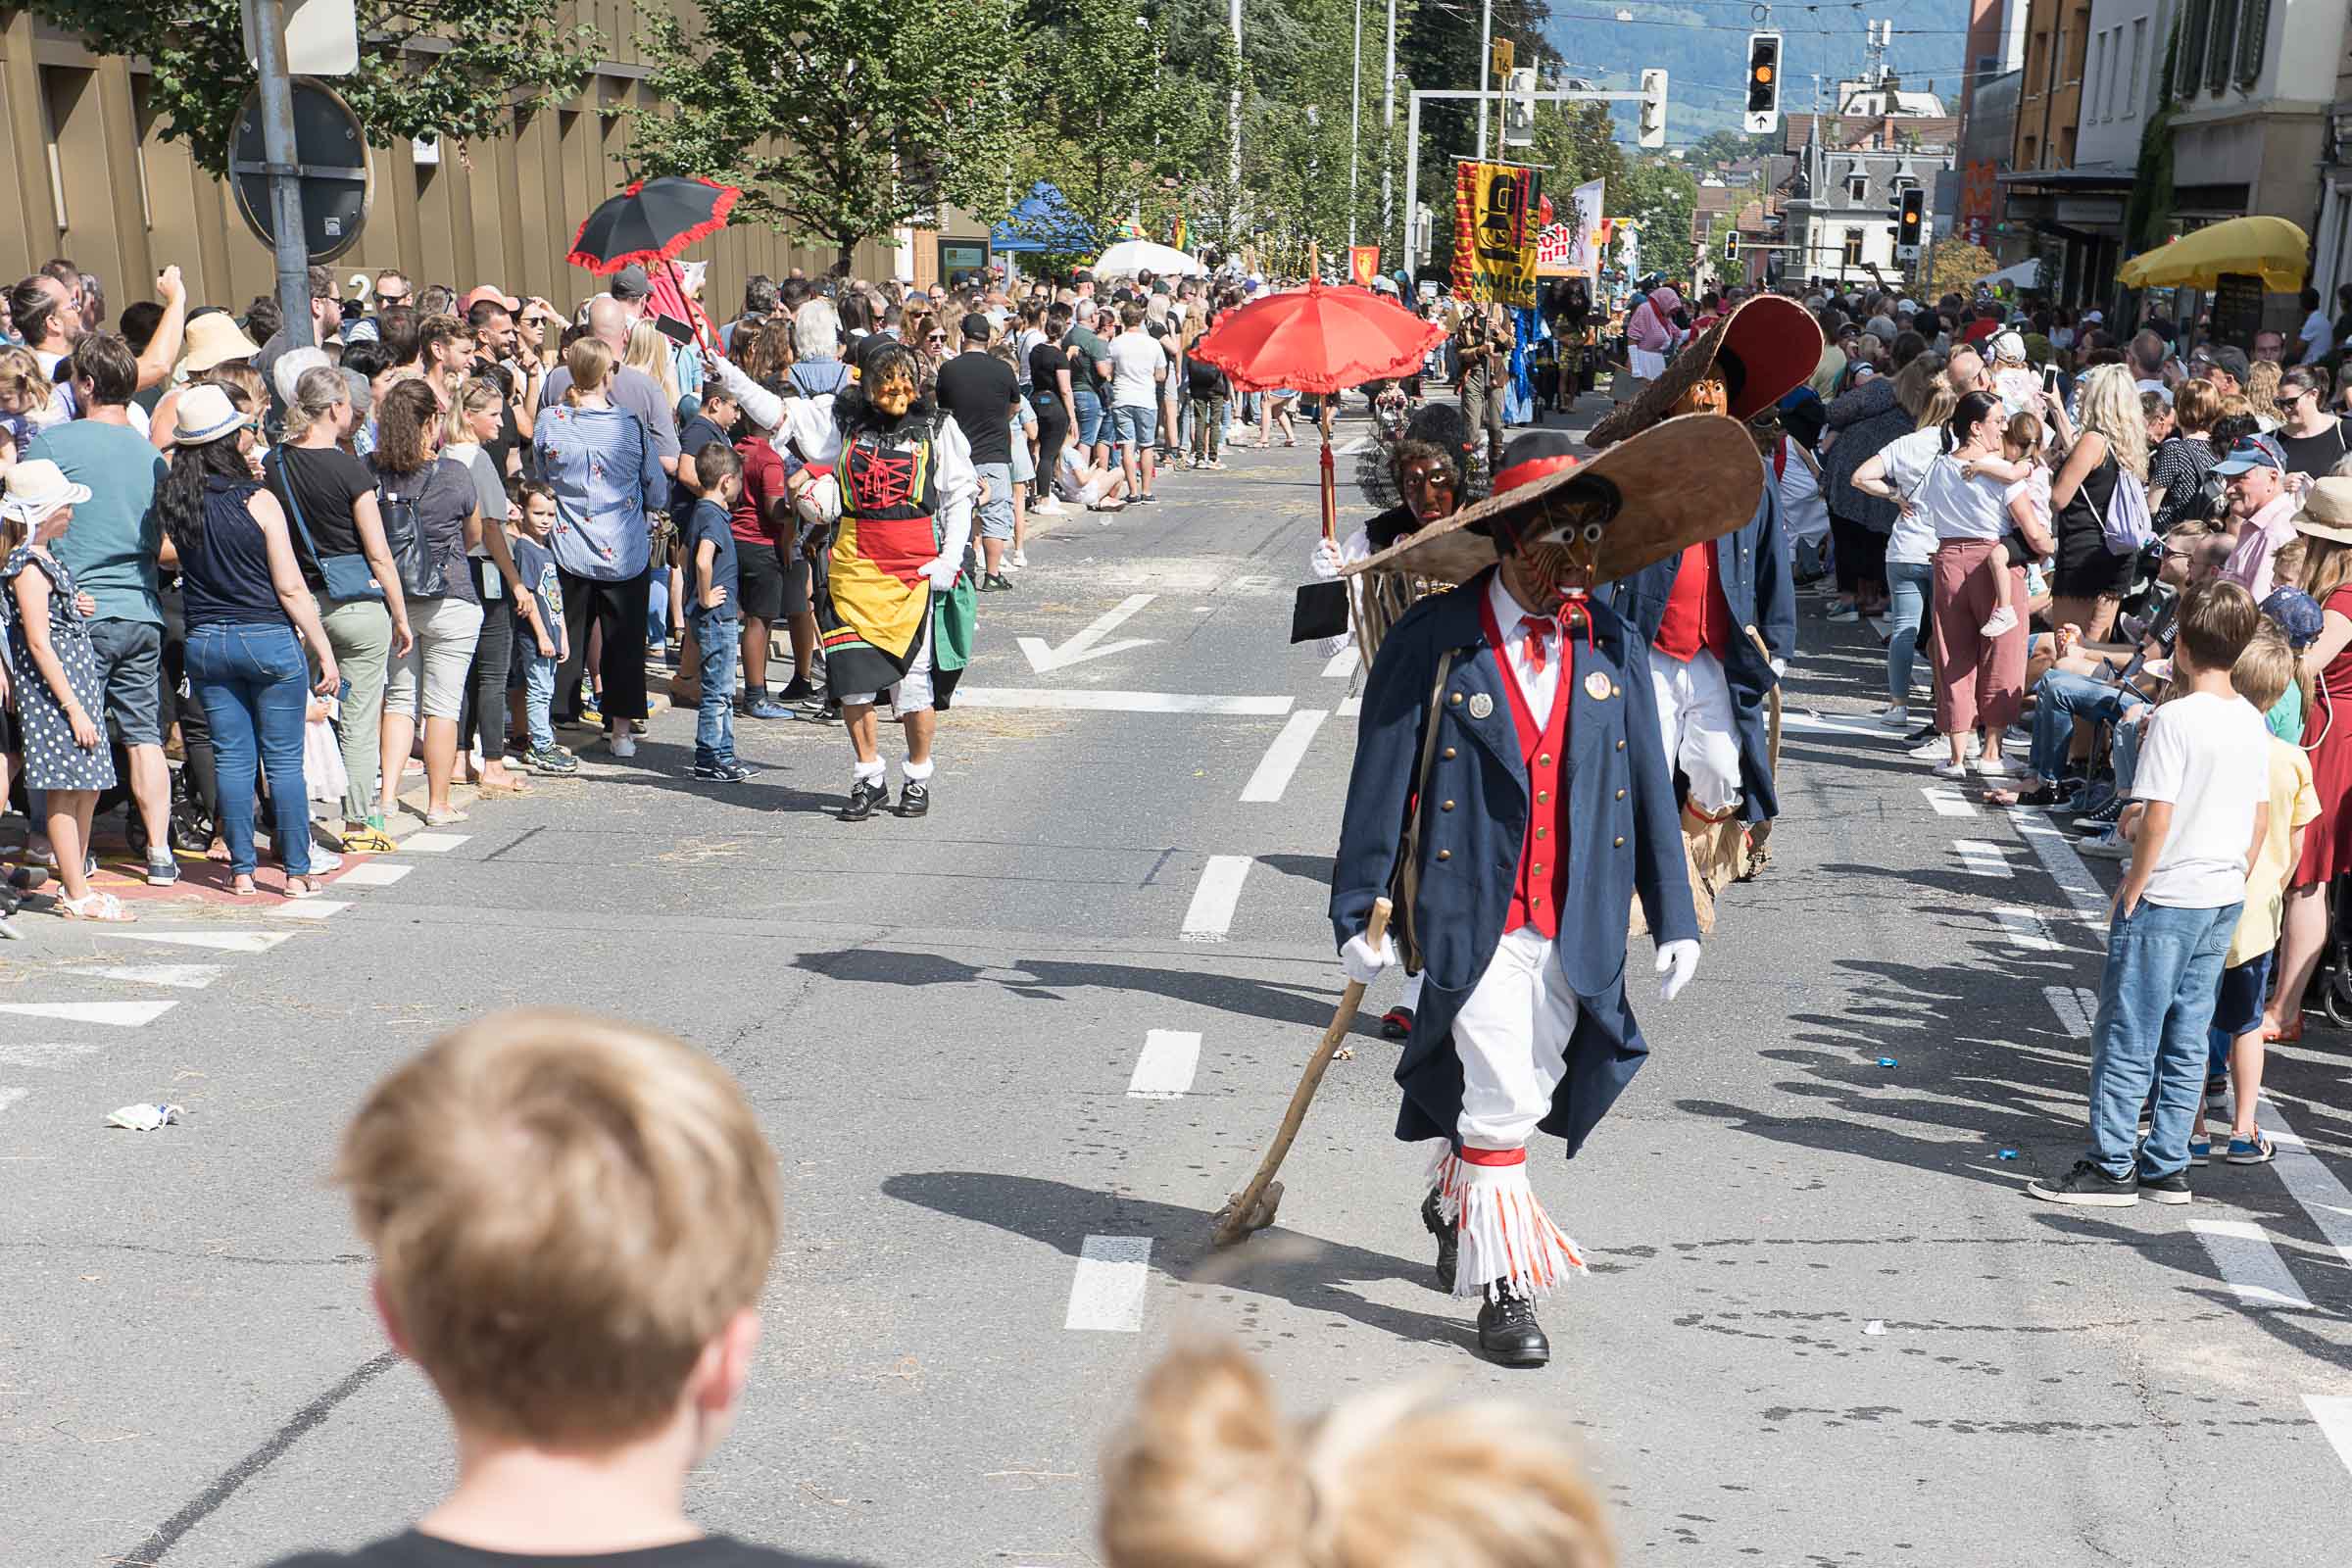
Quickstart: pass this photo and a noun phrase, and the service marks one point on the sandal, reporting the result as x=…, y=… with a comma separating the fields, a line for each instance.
x=367, y=841
x=96, y=907
x=442, y=818
x=491, y=789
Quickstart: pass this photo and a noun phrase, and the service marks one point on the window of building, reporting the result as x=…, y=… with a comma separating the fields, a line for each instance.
x=2220, y=41
x=2078, y=33
x=2029, y=161
x=2253, y=35
x=2092, y=81
x=2134, y=94
x=1853, y=247
x=1857, y=187
x=2195, y=21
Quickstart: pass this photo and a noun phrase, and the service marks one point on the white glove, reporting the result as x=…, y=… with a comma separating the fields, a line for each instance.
x=1363, y=962
x=942, y=571
x=1678, y=961
x=1325, y=561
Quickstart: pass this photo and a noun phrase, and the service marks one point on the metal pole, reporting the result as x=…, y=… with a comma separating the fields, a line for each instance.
x=1355, y=122
x=285, y=184
x=1486, y=70
x=1233, y=217
x=1387, y=123
x=1412, y=183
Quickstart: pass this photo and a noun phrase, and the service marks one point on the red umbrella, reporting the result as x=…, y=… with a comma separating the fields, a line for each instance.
x=1319, y=340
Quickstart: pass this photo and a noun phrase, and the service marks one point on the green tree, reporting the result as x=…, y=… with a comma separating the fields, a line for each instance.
x=1660, y=195
x=841, y=118
x=421, y=72
x=1954, y=265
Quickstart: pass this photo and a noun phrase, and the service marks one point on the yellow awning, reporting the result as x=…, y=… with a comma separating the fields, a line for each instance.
x=2271, y=247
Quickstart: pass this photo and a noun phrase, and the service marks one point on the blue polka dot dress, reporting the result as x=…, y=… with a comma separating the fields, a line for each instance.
x=52, y=761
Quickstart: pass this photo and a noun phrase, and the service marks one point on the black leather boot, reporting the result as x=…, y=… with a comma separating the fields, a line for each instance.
x=1508, y=1333
x=1449, y=1241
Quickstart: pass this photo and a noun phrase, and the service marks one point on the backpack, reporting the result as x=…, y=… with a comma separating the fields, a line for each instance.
x=420, y=573
x=2124, y=522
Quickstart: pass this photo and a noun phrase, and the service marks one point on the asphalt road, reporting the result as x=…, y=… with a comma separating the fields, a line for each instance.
x=1014, y=1057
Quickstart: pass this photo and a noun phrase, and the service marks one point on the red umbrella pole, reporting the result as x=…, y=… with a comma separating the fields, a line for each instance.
x=1331, y=502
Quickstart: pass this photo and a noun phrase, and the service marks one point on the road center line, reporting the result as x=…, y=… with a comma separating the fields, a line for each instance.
x=2250, y=1264
x=1283, y=757
x=1215, y=899
x=1164, y=1071
x=1106, y=702
x=1107, y=1293
x=1979, y=857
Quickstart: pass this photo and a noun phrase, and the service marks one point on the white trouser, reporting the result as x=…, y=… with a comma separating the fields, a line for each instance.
x=913, y=694
x=1695, y=723
x=1512, y=1037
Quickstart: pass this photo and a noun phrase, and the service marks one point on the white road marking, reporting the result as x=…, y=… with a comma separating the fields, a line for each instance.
x=1107, y=1293
x=1341, y=664
x=218, y=941
x=310, y=908
x=1122, y=702
x=1947, y=801
x=11, y=1095
x=2025, y=930
x=2333, y=1413
x=1164, y=1071
x=1211, y=914
x=374, y=874
x=2057, y=856
x=1805, y=719
x=187, y=976
x=2312, y=1183
x=116, y=1014
x=1283, y=757
x=432, y=843
x=48, y=1054
x=2077, y=1009
x=1354, y=707
x=1088, y=642
x=2250, y=1264
x=1980, y=859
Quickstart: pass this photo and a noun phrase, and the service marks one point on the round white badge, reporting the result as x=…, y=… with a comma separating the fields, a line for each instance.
x=1481, y=705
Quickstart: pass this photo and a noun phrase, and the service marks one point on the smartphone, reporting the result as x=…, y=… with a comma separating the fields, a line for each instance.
x=2049, y=378
x=676, y=330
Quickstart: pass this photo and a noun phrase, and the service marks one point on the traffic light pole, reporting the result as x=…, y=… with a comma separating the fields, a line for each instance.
x=1412, y=141
x=290, y=241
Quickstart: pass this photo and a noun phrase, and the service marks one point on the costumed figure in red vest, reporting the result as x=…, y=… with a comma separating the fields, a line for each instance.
x=1721, y=615
x=1507, y=784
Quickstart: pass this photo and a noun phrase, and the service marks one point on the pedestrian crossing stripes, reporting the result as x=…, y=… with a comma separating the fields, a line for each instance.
x=47, y=1053
x=432, y=843
x=1341, y=664
x=1211, y=914
x=2025, y=930
x=186, y=976
x=1164, y=1071
x=2333, y=1413
x=2075, y=1006
x=2065, y=867
x=2249, y=1264
x=1282, y=758
x=374, y=874
x=218, y=941
x=1980, y=859
x=1947, y=801
x=2313, y=1184
x=1106, y=1295
x=309, y=910
x=116, y=1014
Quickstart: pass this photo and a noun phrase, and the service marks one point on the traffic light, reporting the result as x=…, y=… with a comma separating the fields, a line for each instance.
x=1653, y=128
x=1519, y=107
x=1730, y=246
x=1910, y=225
x=1763, y=83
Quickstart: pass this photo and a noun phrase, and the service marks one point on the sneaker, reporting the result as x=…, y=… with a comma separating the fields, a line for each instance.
x=325, y=860
x=1950, y=769
x=592, y=716
x=2200, y=1152
x=2003, y=619
x=552, y=761
x=996, y=582
x=2088, y=1186
x=2216, y=1096
x=799, y=689
x=2106, y=846
x=1935, y=745
x=624, y=744
x=1143, y=499
x=162, y=870
x=1020, y=558
x=1993, y=766
x=1844, y=615
x=2102, y=816
x=2173, y=1188
x=1925, y=732
x=1895, y=718
x=721, y=772
x=767, y=708
x=2254, y=1151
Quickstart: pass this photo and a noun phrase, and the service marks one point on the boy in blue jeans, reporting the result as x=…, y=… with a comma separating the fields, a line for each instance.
x=711, y=609
x=549, y=641
x=2202, y=804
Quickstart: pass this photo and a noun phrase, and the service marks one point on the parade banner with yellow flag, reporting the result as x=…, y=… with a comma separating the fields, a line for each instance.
x=1363, y=264
x=1495, y=208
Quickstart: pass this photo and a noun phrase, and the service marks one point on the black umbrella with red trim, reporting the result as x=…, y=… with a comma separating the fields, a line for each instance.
x=651, y=222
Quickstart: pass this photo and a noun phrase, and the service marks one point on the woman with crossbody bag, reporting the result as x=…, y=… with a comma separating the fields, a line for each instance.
x=339, y=543
x=425, y=497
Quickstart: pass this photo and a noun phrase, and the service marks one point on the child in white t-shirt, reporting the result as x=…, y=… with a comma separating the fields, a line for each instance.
x=2202, y=809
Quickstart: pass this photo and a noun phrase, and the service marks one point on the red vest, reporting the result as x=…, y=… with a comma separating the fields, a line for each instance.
x=1697, y=616
x=1542, y=877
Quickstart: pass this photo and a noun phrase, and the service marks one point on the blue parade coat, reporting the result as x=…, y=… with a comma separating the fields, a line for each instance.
x=1758, y=581
x=1619, y=816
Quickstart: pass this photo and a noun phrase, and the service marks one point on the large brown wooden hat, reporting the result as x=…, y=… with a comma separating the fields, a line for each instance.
x=1763, y=350
x=1692, y=479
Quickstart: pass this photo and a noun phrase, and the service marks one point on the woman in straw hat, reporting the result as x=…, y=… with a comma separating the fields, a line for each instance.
x=2326, y=521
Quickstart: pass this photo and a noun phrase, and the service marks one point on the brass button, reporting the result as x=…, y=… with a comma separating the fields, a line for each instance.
x=1456, y=699
x=1448, y=855
x=1449, y=754
x=1543, y=832
x=1542, y=797
x=1446, y=806
x=1621, y=795
x=1539, y=867
x=1614, y=691
x=1620, y=843
x=1545, y=760
x=1621, y=745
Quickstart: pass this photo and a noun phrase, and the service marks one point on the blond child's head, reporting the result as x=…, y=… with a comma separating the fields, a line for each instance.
x=2266, y=669
x=2021, y=441
x=573, y=1218
x=1208, y=1474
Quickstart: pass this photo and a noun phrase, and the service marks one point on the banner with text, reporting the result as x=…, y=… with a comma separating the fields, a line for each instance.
x=1495, y=209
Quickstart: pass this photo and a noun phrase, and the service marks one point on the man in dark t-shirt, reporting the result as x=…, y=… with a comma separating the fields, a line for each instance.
x=979, y=390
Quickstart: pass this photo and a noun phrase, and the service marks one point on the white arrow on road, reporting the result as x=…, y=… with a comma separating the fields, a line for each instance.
x=1088, y=644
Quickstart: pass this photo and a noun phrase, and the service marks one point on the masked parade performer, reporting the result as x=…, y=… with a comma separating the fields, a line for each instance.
x=897, y=612
x=1424, y=475
x=1507, y=784
x=1721, y=617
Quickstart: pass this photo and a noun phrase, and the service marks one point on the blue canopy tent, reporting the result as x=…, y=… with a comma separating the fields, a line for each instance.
x=1042, y=221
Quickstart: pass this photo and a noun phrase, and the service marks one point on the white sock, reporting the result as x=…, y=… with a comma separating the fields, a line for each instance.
x=915, y=772
x=2003, y=619
x=869, y=773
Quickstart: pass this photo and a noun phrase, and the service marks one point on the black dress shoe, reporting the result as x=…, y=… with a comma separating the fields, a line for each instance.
x=1509, y=1331
x=1397, y=1023
x=864, y=795
x=1449, y=1241
x=914, y=800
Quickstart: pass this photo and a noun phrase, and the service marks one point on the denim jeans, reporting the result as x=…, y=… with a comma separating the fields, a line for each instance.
x=2127, y=755
x=1088, y=410
x=2155, y=1005
x=1906, y=605
x=538, y=700
x=254, y=684
x=2059, y=699
x=714, y=725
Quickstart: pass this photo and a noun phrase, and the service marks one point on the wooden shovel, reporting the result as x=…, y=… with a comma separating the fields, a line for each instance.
x=1253, y=1207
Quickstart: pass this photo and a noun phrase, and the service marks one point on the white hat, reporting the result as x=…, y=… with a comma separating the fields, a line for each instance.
x=2094, y=318
x=205, y=414
x=37, y=488
x=2008, y=346
x=1906, y=308
x=291, y=367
